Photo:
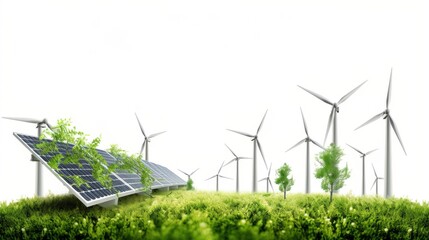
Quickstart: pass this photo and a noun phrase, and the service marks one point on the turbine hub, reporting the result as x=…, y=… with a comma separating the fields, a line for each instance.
x=337, y=108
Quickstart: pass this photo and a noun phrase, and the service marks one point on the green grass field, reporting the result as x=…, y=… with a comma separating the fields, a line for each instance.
x=207, y=215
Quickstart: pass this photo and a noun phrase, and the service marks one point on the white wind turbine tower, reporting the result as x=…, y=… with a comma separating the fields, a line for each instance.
x=187, y=174
x=41, y=123
x=307, y=140
x=268, y=179
x=217, y=177
x=362, y=155
x=146, y=139
x=256, y=145
x=389, y=122
x=335, y=109
x=375, y=181
x=236, y=158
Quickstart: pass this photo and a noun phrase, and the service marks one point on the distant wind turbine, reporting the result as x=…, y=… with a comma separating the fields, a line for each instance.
x=375, y=181
x=268, y=179
x=146, y=139
x=236, y=158
x=217, y=177
x=41, y=123
x=335, y=109
x=187, y=174
x=362, y=155
x=256, y=145
x=389, y=122
x=307, y=140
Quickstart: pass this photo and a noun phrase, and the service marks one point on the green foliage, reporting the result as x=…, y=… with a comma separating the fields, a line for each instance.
x=332, y=176
x=189, y=184
x=131, y=163
x=81, y=148
x=204, y=215
x=285, y=183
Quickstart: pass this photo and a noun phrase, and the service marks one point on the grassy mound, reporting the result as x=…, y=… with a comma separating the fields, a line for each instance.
x=206, y=215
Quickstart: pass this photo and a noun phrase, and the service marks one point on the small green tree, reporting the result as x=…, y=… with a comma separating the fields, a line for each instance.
x=189, y=184
x=332, y=176
x=285, y=183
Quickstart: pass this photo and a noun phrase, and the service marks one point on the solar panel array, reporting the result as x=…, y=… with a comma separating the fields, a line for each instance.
x=124, y=183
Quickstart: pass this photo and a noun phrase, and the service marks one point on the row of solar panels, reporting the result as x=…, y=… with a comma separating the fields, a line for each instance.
x=124, y=183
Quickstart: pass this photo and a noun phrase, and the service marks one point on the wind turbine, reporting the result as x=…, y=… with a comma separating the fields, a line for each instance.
x=375, y=181
x=268, y=179
x=335, y=109
x=41, y=123
x=217, y=177
x=146, y=139
x=236, y=158
x=307, y=140
x=187, y=174
x=256, y=145
x=362, y=155
x=389, y=122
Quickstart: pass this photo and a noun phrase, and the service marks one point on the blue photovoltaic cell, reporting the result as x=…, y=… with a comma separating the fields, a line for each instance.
x=95, y=191
x=124, y=183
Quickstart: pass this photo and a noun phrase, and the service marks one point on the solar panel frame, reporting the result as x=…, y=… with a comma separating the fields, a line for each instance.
x=73, y=188
x=162, y=176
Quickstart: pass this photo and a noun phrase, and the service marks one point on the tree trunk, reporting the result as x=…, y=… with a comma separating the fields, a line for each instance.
x=284, y=194
x=331, y=192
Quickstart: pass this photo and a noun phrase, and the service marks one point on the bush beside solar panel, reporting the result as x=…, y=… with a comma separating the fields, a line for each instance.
x=123, y=182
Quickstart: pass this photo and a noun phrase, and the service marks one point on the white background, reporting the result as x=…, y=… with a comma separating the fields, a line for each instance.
x=195, y=68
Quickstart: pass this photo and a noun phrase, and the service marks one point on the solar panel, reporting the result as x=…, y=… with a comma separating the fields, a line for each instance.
x=90, y=195
x=124, y=183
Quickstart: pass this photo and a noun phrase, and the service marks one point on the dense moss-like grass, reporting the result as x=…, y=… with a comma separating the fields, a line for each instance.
x=207, y=215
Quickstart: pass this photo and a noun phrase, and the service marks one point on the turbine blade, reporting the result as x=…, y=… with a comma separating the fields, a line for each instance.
x=375, y=173
x=231, y=151
x=242, y=133
x=317, y=95
x=317, y=144
x=144, y=143
x=303, y=140
x=183, y=172
x=225, y=177
x=230, y=162
x=47, y=123
x=355, y=149
x=303, y=120
x=389, y=89
x=371, y=120
x=260, y=125
x=269, y=171
x=221, y=167
x=371, y=151
x=244, y=158
x=329, y=124
x=345, y=97
x=141, y=127
x=271, y=184
x=397, y=133
x=211, y=177
x=262, y=153
x=194, y=172
x=156, y=134
x=373, y=183
x=262, y=179
x=28, y=120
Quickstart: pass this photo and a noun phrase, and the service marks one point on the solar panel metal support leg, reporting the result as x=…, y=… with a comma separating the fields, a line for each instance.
x=109, y=204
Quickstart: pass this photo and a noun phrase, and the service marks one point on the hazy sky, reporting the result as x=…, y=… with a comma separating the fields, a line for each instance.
x=195, y=68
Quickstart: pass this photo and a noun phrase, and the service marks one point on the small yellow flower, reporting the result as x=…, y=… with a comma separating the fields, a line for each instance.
x=410, y=230
x=386, y=229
